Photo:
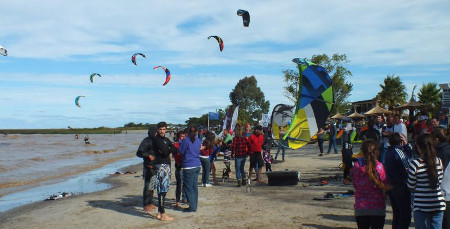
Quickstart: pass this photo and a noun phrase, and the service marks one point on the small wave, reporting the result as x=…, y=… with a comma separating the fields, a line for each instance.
x=13, y=137
x=60, y=144
x=101, y=151
x=37, y=159
x=5, y=144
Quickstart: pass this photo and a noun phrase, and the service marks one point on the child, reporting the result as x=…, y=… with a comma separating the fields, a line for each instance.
x=267, y=160
x=227, y=156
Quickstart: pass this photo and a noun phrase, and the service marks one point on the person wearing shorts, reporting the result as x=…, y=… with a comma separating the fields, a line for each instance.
x=256, y=141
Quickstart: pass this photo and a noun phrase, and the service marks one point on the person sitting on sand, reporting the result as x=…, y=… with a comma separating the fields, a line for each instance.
x=370, y=183
x=163, y=147
x=145, y=151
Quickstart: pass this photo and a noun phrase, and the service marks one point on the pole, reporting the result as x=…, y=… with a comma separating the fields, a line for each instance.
x=208, y=121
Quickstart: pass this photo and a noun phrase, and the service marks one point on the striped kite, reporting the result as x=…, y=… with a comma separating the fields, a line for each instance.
x=167, y=74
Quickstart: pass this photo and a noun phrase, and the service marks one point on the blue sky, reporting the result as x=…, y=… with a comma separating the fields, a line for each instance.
x=54, y=46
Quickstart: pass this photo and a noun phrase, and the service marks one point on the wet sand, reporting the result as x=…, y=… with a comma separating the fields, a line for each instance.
x=223, y=206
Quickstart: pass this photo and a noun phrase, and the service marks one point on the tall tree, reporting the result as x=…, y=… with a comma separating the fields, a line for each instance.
x=250, y=99
x=431, y=94
x=393, y=92
x=335, y=67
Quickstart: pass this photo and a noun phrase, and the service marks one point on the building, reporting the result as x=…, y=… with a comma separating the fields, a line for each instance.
x=445, y=95
x=364, y=105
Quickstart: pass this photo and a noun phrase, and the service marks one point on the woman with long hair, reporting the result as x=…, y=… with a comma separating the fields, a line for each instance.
x=442, y=147
x=369, y=181
x=424, y=180
x=190, y=152
x=205, y=152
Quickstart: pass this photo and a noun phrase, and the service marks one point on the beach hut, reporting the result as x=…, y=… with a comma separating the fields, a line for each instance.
x=338, y=116
x=377, y=110
x=411, y=105
x=356, y=115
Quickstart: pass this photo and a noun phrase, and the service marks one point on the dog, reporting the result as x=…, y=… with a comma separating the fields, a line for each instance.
x=225, y=175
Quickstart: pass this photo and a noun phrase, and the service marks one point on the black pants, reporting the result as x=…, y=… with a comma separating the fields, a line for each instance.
x=347, y=161
x=161, y=202
x=400, y=198
x=147, y=194
x=370, y=221
x=178, y=178
x=268, y=167
x=320, y=142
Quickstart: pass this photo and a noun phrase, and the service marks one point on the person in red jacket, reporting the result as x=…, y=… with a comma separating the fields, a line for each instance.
x=256, y=141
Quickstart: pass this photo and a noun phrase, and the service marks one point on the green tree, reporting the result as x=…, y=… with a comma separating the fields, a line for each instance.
x=203, y=120
x=393, y=92
x=250, y=99
x=431, y=94
x=335, y=67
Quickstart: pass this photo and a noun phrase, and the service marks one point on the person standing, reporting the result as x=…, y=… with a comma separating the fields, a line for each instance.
x=240, y=152
x=424, y=180
x=397, y=158
x=399, y=126
x=320, y=139
x=163, y=147
x=256, y=141
x=208, y=148
x=370, y=183
x=177, y=158
x=282, y=144
x=145, y=151
x=332, y=138
x=190, y=150
x=442, y=147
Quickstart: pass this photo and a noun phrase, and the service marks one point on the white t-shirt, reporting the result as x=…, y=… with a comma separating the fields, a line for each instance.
x=401, y=128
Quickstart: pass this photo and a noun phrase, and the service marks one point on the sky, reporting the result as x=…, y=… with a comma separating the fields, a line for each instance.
x=54, y=46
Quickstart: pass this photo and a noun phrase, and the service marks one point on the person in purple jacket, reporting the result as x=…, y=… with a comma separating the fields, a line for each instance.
x=190, y=151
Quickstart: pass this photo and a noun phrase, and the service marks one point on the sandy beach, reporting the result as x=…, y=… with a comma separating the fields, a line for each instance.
x=223, y=206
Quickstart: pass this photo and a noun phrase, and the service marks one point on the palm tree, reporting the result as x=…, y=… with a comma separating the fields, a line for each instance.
x=393, y=92
x=431, y=94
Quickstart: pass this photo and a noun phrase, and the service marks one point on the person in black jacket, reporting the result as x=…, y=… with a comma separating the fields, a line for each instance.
x=145, y=152
x=163, y=147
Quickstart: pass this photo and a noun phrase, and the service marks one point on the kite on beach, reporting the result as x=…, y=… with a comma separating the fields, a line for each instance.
x=219, y=40
x=316, y=99
x=282, y=115
x=167, y=74
x=77, y=102
x=133, y=58
x=3, y=51
x=245, y=17
x=92, y=76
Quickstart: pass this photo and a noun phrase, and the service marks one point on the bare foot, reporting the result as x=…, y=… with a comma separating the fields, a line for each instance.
x=165, y=217
x=158, y=216
x=149, y=208
x=261, y=181
x=178, y=205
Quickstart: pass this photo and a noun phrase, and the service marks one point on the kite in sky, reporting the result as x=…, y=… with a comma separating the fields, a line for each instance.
x=245, y=17
x=316, y=99
x=133, y=58
x=3, y=51
x=92, y=76
x=167, y=74
x=219, y=40
x=77, y=102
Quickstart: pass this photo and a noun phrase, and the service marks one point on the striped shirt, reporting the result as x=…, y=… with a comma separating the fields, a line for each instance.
x=425, y=198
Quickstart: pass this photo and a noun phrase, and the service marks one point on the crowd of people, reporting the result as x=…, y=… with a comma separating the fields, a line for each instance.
x=406, y=161
x=194, y=151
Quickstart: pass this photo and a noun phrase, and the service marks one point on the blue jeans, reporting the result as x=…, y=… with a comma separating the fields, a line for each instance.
x=281, y=146
x=332, y=142
x=190, y=186
x=205, y=170
x=427, y=220
x=239, y=164
x=383, y=154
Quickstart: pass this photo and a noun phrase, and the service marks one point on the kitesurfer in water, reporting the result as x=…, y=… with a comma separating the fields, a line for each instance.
x=86, y=140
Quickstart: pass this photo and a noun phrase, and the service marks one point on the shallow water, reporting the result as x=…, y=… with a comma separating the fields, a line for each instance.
x=33, y=167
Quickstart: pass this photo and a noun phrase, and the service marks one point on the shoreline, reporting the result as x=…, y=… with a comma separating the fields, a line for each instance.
x=219, y=206
x=83, y=183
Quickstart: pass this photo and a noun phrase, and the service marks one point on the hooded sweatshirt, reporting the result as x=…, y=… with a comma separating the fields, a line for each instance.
x=443, y=152
x=145, y=148
x=369, y=200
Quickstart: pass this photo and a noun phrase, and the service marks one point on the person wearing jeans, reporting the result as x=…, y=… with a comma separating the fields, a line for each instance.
x=332, y=138
x=240, y=152
x=190, y=151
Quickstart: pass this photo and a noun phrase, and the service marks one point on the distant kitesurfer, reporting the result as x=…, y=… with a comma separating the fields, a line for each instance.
x=86, y=140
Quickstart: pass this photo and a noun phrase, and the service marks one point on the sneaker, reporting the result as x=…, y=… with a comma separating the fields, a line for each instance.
x=208, y=185
x=202, y=185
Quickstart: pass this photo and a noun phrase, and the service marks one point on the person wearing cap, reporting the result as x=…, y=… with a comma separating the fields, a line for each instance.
x=256, y=141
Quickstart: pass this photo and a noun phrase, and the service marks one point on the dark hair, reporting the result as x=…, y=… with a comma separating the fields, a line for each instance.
x=370, y=151
x=161, y=124
x=424, y=142
x=209, y=139
x=395, y=139
x=237, y=130
x=192, y=132
x=439, y=134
